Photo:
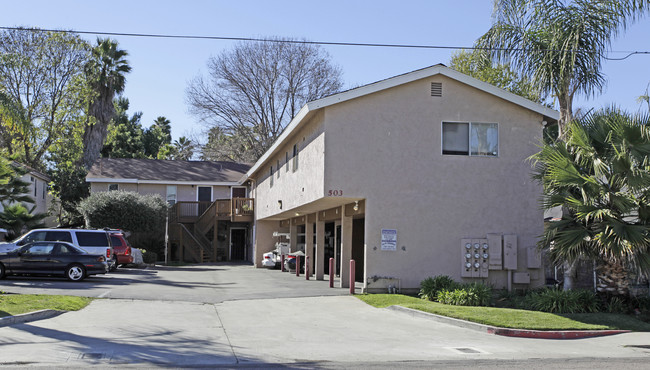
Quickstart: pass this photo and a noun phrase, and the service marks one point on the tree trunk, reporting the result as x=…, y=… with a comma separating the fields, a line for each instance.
x=569, y=274
x=95, y=134
x=566, y=114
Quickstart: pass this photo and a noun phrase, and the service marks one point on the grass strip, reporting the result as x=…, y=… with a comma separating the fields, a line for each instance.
x=15, y=304
x=512, y=318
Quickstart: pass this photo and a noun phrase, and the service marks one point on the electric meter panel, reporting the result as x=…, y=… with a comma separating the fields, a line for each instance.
x=475, y=254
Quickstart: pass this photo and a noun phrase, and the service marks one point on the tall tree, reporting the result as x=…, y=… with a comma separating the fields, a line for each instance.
x=222, y=146
x=254, y=90
x=125, y=135
x=559, y=44
x=41, y=89
x=600, y=174
x=106, y=72
x=183, y=149
x=156, y=136
x=501, y=75
x=12, y=188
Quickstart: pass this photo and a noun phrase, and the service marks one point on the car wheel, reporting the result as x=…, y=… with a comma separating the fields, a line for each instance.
x=75, y=273
x=2, y=271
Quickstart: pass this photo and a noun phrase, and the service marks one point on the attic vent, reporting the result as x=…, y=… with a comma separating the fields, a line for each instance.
x=436, y=89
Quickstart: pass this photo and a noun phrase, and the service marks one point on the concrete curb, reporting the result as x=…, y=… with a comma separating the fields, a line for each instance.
x=27, y=317
x=516, y=333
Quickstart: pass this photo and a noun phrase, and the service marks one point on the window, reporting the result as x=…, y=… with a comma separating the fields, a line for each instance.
x=112, y=187
x=92, y=239
x=171, y=194
x=295, y=157
x=470, y=138
x=40, y=249
x=271, y=177
x=286, y=160
x=35, y=187
x=44, y=190
x=279, y=169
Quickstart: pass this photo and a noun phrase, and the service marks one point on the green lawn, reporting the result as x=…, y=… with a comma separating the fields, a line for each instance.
x=511, y=318
x=14, y=304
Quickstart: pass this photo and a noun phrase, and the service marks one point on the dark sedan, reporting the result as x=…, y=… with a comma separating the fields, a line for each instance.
x=52, y=258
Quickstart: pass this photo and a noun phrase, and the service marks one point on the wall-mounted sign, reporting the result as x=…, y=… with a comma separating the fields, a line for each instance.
x=388, y=240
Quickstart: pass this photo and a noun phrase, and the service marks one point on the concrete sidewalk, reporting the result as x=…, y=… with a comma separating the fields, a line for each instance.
x=311, y=331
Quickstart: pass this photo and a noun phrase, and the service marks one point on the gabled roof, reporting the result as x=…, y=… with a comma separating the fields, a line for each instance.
x=154, y=171
x=439, y=69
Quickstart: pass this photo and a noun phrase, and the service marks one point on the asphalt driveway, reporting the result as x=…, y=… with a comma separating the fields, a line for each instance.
x=196, y=283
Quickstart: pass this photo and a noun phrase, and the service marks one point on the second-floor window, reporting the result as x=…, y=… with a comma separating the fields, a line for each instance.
x=295, y=157
x=470, y=138
x=271, y=177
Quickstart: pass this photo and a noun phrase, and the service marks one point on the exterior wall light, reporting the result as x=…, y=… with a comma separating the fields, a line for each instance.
x=356, y=205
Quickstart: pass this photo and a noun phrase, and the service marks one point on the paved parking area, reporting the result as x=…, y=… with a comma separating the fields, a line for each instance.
x=197, y=283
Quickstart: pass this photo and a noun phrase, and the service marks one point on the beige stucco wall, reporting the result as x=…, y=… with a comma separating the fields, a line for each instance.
x=386, y=148
x=184, y=193
x=39, y=194
x=293, y=188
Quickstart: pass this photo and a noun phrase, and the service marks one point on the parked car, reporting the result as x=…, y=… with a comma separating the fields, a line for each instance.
x=52, y=258
x=92, y=241
x=121, y=247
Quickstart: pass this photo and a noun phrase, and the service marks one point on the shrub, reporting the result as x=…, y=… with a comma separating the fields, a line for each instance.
x=473, y=294
x=142, y=215
x=560, y=301
x=149, y=256
x=616, y=305
x=430, y=286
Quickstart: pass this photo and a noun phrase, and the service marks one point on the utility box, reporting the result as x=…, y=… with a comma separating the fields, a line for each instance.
x=521, y=278
x=510, y=252
x=495, y=243
x=475, y=254
x=534, y=258
x=466, y=258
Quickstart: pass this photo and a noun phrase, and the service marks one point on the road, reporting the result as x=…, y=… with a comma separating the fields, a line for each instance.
x=229, y=316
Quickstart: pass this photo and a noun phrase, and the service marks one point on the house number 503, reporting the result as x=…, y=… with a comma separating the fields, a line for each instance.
x=335, y=193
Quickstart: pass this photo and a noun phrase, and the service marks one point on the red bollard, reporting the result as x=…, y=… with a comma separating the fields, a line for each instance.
x=332, y=272
x=307, y=268
x=282, y=263
x=297, y=265
x=352, y=276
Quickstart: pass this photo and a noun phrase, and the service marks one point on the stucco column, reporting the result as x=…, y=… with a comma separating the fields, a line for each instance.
x=320, y=248
x=346, y=249
x=309, y=245
x=293, y=237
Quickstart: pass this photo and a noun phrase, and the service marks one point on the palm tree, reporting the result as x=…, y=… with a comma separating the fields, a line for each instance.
x=184, y=148
x=559, y=44
x=106, y=74
x=600, y=174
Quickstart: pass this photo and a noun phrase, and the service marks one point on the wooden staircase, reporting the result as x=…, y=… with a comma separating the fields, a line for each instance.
x=193, y=225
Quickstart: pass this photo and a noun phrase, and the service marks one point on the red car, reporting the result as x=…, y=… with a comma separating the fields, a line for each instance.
x=121, y=247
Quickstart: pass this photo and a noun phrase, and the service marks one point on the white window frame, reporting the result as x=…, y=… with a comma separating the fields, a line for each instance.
x=175, y=194
x=469, y=139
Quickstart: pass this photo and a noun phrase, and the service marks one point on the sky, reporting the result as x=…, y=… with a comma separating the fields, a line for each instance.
x=162, y=68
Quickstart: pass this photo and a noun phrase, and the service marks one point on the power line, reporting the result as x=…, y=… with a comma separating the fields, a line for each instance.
x=328, y=43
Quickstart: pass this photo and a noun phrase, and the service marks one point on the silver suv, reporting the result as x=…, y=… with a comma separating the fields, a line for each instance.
x=92, y=241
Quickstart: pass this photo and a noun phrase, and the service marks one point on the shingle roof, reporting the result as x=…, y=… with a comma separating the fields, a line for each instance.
x=163, y=170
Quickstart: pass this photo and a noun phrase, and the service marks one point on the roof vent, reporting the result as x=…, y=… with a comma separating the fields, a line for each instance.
x=436, y=89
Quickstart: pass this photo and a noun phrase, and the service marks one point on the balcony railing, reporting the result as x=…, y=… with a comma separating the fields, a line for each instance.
x=236, y=208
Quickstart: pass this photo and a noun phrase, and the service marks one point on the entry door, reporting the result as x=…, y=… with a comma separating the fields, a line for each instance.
x=238, y=244
x=205, y=194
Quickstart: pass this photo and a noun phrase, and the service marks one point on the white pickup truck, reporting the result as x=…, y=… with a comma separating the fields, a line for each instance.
x=92, y=241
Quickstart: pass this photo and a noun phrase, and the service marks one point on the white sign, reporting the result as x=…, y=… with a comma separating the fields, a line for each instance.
x=388, y=240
